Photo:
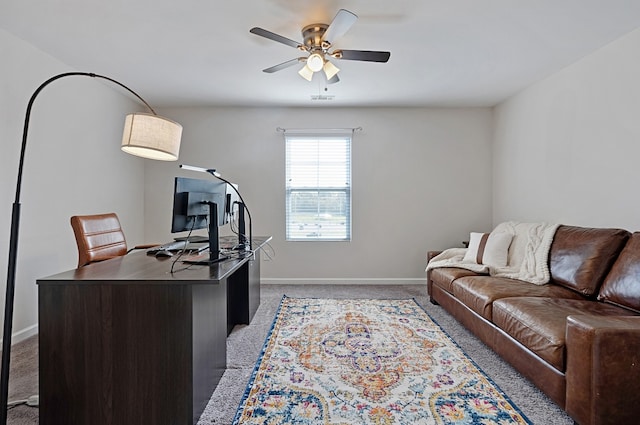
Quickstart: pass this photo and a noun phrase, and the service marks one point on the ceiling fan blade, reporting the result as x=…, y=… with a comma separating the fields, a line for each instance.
x=362, y=55
x=283, y=65
x=340, y=25
x=275, y=37
x=333, y=79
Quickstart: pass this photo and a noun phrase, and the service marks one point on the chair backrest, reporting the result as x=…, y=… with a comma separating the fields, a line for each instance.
x=99, y=237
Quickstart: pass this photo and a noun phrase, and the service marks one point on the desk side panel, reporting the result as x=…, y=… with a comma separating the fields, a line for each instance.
x=244, y=293
x=115, y=354
x=254, y=285
x=209, y=342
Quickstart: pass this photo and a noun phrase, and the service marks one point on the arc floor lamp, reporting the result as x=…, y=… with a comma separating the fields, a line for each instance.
x=146, y=135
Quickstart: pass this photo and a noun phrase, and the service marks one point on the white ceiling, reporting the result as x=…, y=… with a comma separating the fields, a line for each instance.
x=198, y=52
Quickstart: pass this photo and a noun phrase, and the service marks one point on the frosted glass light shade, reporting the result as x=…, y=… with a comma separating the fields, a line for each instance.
x=315, y=62
x=151, y=136
x=330, y=70
x=306, y=73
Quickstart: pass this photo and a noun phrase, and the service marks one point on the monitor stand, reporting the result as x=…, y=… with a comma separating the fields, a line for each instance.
x=214, y=242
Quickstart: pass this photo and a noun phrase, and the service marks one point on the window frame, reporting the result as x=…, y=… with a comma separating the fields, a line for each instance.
x=319, y=189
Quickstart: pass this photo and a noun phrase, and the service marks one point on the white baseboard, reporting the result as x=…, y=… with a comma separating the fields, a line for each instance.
x=23, y=334
x=342, y=281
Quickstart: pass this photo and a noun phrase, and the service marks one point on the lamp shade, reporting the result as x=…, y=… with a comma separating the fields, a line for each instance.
x=315, y=62
x=330, y=70
x=306, y=73
x=151, y=136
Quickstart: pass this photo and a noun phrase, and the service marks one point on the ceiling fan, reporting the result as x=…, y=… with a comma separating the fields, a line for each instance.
x=318, y=40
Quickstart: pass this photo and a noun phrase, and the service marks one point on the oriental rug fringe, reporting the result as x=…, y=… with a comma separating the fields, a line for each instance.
x=382, y=362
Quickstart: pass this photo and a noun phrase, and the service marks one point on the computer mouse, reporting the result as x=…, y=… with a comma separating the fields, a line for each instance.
x=164, y=253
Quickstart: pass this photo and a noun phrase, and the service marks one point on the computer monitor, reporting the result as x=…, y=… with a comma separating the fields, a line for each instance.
x=190, y=203
x=199, y=204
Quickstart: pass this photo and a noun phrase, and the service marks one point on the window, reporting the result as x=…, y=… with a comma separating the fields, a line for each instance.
x=318, y=187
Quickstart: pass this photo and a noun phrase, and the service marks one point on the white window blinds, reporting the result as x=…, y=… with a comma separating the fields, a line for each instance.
x=318, y=187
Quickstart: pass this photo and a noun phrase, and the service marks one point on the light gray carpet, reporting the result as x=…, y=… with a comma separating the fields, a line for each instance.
x=23, y=381
x=245, y=342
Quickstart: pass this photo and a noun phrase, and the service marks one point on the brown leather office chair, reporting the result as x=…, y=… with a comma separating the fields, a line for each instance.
x=99, y=237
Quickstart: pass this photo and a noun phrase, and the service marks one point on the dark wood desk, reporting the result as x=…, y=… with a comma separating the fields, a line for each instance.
x=125, y=341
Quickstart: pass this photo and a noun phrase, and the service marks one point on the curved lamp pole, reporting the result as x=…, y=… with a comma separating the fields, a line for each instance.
x=146, y=135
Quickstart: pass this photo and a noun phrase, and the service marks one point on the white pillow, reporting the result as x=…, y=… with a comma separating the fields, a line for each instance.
x=491, y=249
x=475, y=240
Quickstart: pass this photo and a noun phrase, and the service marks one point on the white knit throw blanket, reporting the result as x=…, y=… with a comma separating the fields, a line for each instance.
x=528, y=257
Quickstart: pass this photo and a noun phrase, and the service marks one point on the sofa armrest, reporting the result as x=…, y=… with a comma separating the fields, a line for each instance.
x=431, y=254
x=603, y=369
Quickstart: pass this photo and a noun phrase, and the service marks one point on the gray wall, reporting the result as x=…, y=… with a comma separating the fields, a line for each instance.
x=566, y=149
x=421, y=180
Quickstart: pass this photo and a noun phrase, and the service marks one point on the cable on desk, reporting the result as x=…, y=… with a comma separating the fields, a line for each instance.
x=184, y=249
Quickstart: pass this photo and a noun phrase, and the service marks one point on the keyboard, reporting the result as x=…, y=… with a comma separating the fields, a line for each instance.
x=180, y=245
x=193, y=238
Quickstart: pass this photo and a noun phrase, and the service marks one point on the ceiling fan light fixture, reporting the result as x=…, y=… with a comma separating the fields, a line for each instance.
x=318, y=40
x=330, y=70
x=306, y=73
x=315, y=62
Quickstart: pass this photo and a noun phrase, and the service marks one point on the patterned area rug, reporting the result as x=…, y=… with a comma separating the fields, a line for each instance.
x=381, y=362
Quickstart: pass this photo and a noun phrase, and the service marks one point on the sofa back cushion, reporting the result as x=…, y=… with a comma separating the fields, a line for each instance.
x=622, y=285
x=580, y=257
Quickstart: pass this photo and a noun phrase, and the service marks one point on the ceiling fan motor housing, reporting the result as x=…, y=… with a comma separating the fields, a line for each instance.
x=312, y=35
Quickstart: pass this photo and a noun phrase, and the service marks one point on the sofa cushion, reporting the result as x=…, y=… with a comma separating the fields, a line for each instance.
x=540, y=323
x=444, y=276
x=622, y=285
x=479, y=292
x=580, y=257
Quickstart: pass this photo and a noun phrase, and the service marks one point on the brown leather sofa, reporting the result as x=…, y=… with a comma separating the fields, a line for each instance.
x=576, y=338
